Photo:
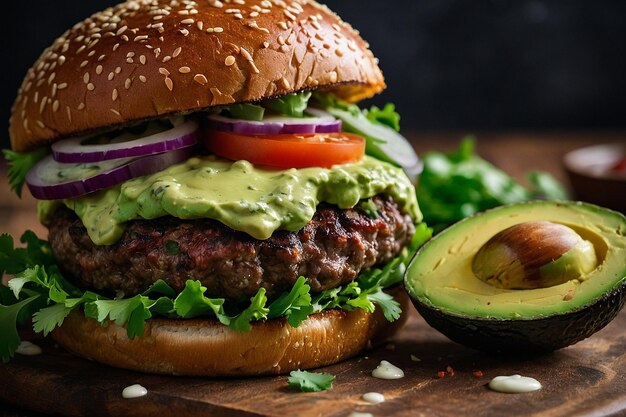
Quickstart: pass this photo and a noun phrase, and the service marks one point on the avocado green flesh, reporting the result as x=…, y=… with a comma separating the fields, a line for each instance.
x=440, y=275
x=254, y=200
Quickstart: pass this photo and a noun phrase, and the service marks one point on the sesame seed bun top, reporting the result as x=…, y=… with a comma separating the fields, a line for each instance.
x=149, y=58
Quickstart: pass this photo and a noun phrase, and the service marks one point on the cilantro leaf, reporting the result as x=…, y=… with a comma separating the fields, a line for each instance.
x=49, y=318
x=256, y=311
x=19, y=165
x=295, y=305
x=310, y=381
x=9, y=338
x=191, y=302
x=390, y=307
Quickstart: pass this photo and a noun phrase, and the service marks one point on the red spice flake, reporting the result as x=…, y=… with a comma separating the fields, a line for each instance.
x=478, y=374
x=441, y=374
x=450, y=370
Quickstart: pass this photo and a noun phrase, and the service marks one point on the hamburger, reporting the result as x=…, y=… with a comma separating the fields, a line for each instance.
x=216, y=203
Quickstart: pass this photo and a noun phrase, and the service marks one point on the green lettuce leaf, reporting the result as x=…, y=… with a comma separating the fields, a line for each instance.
x=292, y=105
x=310, y=381
x=386, y=116
x=246, y=111
x=19, y=165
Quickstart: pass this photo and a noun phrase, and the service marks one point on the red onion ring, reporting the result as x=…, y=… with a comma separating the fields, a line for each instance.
x=322, y=122
x=43, y=187
x=180, y=136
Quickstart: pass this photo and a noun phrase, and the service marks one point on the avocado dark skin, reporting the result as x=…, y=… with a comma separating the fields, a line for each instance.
x=527, y=337
x=507, y=300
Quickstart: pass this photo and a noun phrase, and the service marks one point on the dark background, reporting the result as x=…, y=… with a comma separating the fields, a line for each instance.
x=449, y=64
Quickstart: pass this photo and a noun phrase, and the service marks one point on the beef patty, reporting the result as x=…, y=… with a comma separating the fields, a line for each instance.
x=331, y=250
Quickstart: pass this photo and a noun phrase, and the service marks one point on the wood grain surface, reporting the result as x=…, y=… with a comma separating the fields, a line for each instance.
x=587, y=379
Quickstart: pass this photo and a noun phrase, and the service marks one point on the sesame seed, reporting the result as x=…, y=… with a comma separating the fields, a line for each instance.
x=218, y=29
x=232, y=11
x=185, y=32
x=230, y=60
x=142, y=78
x=40, y=124
x=69, y=113
x=169, y=83
x=81, y=106
x=200, y=79
x=114, y=94
x=125, y=38
x=115, y=112
x=246, y=54
x=86, y=78
x=177, y=52
x=111, y=76
x=289, y=15
x=55, y=106
x=101, y=58
x=90, y=87
x=189, y=21
x=117, y=45
x=339, y=52
x=142, y=59
x=92, y=53
x=167, y=58
x=118, y=70
x=216, y=3
x=43, y=103
x=163, y=71
x=121, y=30
x=62, y=86
x=81, y=49
x=283, y=25
x=61, y=60
x=130, y=60
x=140, y=38
x=99, y=69
x=127, y=83
x=54, y=90
x=315, y=25
x=238, y=16
x=84, y=64
x=200, y=25
x=184, y=12
x=285, y=83
x=184, y=70
x=266, y=44
x=254, y=14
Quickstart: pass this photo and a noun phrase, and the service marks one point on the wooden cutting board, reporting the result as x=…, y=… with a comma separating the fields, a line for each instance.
x=588, y=379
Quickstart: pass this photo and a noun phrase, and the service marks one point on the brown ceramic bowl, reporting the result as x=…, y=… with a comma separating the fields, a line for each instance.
x=592, y=177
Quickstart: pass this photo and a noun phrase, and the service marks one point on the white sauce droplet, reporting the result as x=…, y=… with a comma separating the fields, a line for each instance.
x=374, y=397
x=28, y=349
x=387, y=371
x=357, y=414
x=514, y=384
x=134, y=391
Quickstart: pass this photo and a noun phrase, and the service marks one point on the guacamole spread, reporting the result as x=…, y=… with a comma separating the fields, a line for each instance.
x=250, y=199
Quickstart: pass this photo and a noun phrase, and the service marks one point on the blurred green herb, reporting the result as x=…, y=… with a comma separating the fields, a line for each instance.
x=461, y=183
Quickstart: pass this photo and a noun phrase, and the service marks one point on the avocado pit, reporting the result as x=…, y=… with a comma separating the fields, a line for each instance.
x=534, y=254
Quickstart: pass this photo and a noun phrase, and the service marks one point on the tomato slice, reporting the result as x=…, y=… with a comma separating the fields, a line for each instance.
x=288, y=150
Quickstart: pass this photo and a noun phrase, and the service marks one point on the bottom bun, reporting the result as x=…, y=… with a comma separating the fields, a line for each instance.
x=206, y=347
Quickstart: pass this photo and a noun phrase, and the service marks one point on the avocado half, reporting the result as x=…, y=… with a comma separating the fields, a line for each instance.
x=442, y=283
